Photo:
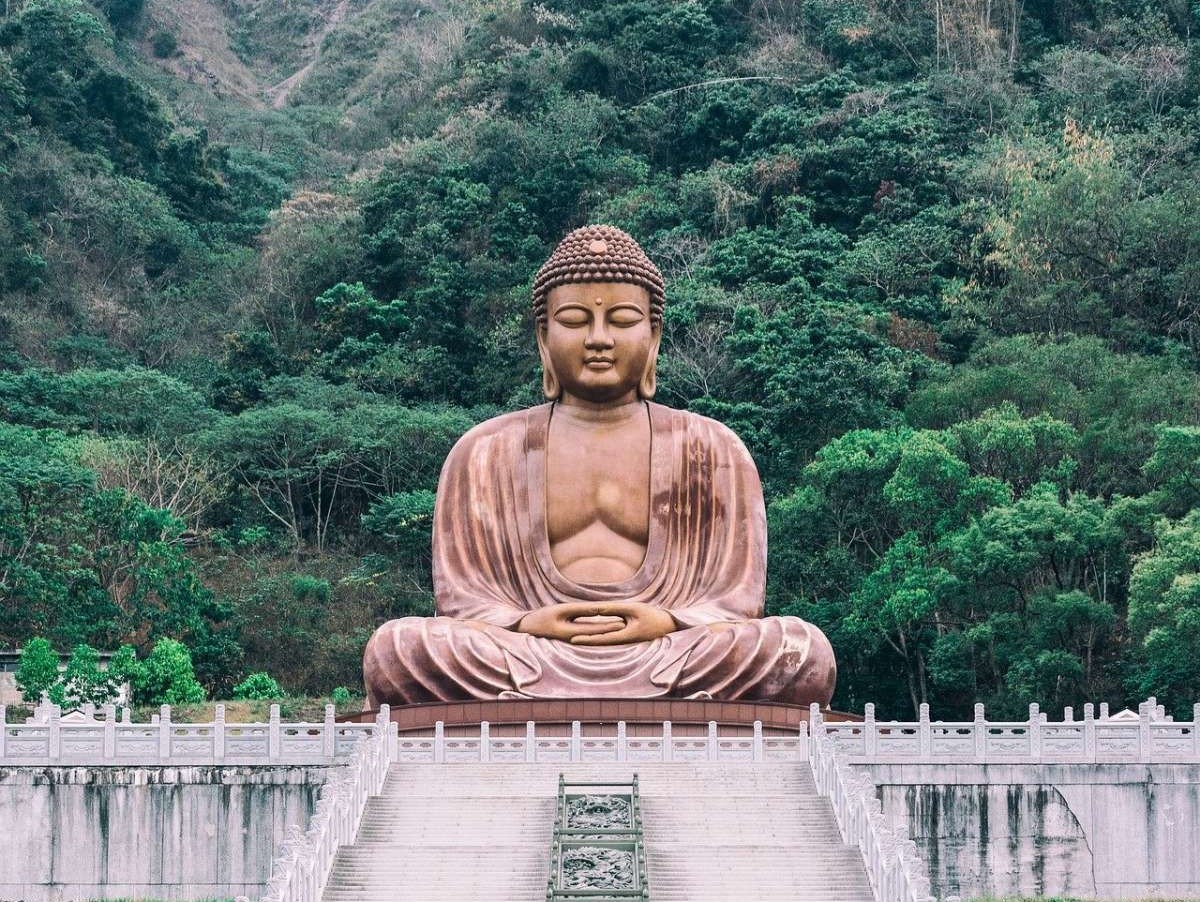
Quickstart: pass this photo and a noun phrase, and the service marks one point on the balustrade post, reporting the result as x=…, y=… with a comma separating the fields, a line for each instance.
x=925, y=731
x=756, y=752
x=1195, y=733
x=668, y=744
x=485, y=741
x=1104, y=710
x=1089, y=732
x=3, y=731
x=1068, y=714
x=126, y=715
x=979, y=732
x=164, y=733
x=714, y=748
x=530, y=741
x=274, y=734
x=329, y=732
x=1145, y=711
x=622, y=747
x=110, y=732
x=1035, y=732
x=576, y=741
x=54, y=721
x=218, y=736
x=870, y=735
x=439, y=742
x=803, y=741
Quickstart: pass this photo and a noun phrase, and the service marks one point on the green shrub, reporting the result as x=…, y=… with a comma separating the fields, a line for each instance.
x=37, y=671
x=164, y=45
x=257, y=686
x=167, y=676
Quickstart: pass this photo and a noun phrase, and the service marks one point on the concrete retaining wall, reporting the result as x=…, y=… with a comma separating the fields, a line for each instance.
x=1109, y=831
x=146, y=832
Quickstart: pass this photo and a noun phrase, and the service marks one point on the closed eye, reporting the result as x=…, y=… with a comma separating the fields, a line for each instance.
x=626, y=316
x=572, y=316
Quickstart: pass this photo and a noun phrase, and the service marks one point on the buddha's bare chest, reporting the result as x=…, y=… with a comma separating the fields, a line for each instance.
x=598, y=482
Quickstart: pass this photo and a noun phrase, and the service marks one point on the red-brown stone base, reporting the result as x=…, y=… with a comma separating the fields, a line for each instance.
x=687, y=716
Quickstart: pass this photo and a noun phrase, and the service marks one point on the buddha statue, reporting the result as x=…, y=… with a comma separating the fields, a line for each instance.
x=599, y=545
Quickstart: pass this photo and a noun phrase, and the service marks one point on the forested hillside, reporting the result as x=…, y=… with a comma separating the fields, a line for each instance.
x=936, y=261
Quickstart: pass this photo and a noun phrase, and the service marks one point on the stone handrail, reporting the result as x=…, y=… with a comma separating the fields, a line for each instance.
x=302, y=868
x=553, y=746
x=1150, y=737
x=893, y=863
x=83, y=740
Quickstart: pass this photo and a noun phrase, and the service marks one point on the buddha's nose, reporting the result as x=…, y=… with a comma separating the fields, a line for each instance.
x=598, y=335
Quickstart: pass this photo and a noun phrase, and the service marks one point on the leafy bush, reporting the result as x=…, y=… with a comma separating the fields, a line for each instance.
x=37, y=670
x=164, y=44
x=257, y=686
x=167, y=677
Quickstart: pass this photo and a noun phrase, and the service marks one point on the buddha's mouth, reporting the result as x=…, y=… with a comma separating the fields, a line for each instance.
x=598, y=363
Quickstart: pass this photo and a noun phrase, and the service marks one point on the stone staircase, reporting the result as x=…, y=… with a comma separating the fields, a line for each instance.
x=714, y=831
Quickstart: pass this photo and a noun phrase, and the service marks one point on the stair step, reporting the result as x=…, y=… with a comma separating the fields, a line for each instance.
x=714, y=832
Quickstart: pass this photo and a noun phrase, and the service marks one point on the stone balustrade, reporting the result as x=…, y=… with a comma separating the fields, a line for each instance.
x=895, y=868
x=556, y=745
x=87, y=739
x=83, y=739
x=1150, y=737
x=302, y=868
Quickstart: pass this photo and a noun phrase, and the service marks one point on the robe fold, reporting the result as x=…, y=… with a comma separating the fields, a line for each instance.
x=705, y=563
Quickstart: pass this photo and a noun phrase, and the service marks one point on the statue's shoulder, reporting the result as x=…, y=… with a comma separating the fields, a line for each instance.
x=505, y=429
x=699, y=427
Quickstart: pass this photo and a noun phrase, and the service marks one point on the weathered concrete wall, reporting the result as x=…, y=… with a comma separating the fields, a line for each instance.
x=146, y=832
x=1109, y=831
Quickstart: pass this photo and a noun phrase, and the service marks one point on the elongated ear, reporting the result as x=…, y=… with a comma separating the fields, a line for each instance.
x=550, y=385
x=648, y=384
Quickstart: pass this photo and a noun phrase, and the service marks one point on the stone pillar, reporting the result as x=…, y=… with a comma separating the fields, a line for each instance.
x=622, y=749
x=485, y=741
x=110, y=732
x=530, y=741
x=925, y=731
x=1089, y=732
x=979, y=732
x=329, y=732
x=274, y=734
x=576, y=741
x=1035, y=732
x=870, y=734
x=757, y=749
x=439, y=742
x=164, y=733
x=668, y=750
x=714, y=747
x=218, y=733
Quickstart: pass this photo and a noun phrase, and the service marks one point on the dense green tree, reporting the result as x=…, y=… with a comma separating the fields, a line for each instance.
x=83, y=681
x=37, y=670
x=934, y=263
x=167, y=677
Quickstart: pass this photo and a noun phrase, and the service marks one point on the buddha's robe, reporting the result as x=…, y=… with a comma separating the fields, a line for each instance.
x=705, y=562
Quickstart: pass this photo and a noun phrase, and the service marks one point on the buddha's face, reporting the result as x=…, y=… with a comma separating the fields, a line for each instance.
x=599, y=341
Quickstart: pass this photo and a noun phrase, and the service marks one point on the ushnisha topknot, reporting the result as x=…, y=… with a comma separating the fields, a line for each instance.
x=598, y=253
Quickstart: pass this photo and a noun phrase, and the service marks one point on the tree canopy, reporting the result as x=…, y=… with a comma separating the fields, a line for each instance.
x=937, y=265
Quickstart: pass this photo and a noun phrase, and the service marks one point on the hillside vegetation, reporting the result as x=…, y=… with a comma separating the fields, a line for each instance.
x=938, y=264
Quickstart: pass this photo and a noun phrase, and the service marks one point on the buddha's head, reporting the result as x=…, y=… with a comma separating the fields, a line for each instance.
x=598, y=304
